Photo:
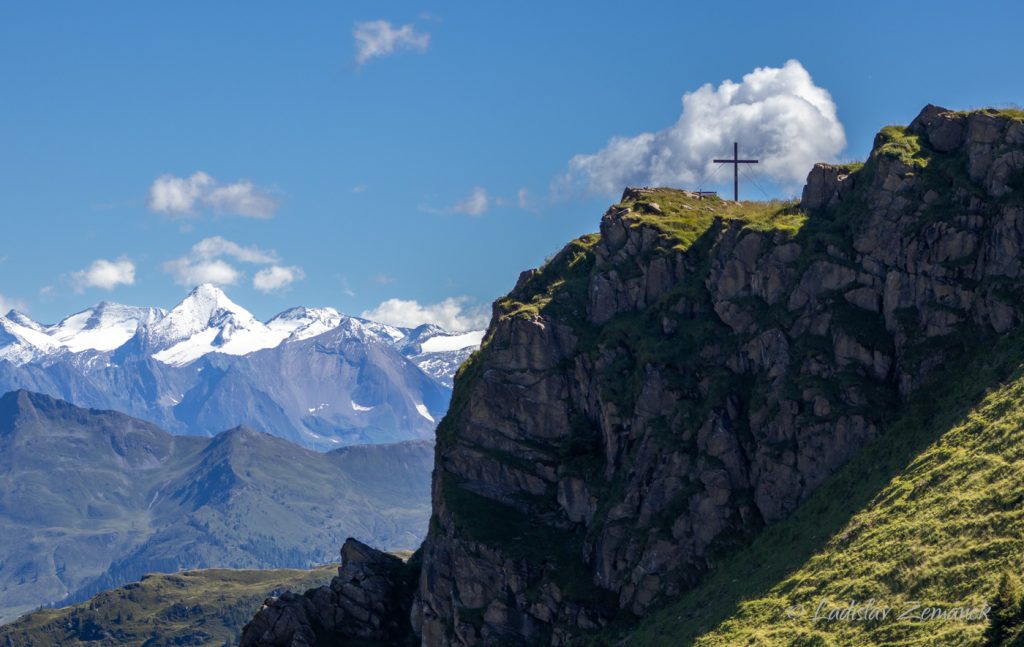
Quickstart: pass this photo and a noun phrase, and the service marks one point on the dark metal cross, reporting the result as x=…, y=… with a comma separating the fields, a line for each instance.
x=735, y=161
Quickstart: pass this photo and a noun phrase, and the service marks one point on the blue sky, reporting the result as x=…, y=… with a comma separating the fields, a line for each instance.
x=349, y=183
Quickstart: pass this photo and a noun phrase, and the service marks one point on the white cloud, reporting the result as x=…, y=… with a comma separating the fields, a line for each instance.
x=475, y=204
x=181, y=197
x=778, y=115
x=104, y=274
x=219, y=246
x=523, y=197
x=242, y=198
x=380, y=38
x=177, y=195
x=451, y=314
x=276, y=277
x=189, y=272
x=206, y=263
x=7, y=304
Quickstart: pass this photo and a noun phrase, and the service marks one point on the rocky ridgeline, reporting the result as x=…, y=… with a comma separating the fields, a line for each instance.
x=368, y=601
x=654, y=396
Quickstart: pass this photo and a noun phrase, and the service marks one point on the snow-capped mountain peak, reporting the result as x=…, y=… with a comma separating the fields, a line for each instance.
x=364, y=330
x=313, y=375
x=208, y=321
x=429, y=338
x=103, y=327
x=303, y=323
x=205, y=307
x=22, y=340
x=23, y=319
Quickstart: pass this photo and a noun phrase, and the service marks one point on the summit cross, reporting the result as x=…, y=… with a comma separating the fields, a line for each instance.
x=735, y=161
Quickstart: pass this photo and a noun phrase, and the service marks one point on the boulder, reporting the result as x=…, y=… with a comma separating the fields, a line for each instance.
x=944, y=129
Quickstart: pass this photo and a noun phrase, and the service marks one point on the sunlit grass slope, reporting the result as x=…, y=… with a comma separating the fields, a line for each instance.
x=931, y=514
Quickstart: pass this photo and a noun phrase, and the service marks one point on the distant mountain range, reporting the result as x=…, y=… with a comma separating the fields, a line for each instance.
x=314, y=376
x=92, y=499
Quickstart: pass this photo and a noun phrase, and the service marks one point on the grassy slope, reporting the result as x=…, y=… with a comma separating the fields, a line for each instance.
x=930, y=512
x=204, y=607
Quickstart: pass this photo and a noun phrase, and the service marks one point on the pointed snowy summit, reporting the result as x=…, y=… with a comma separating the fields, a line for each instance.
x=207, y=321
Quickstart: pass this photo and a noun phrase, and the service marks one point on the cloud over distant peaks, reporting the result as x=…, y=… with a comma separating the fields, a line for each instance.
x=206, y=263
x=454, y=313
x=183, y=196
x=104, y=274
x=777, y=114
x=378, y=38
x=189, y=272
x=276, y=277
x=219, y=246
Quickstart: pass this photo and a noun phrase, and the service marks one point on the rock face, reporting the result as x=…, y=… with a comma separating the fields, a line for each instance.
x=367, y=601
x=826, y=186
x=655, y=395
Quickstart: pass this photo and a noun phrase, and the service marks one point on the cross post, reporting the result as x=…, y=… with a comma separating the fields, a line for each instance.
x=735, y=161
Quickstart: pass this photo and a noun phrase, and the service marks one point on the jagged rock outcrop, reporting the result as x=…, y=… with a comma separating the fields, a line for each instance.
x=367, y=601
x=827, y=185
x=654, y=396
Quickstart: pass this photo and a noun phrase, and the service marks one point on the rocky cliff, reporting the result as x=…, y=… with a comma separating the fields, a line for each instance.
x=655, y=395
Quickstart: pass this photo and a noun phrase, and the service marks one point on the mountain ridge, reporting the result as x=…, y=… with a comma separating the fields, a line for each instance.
x=311, y=375
x=206, y=309
x=91, y=499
